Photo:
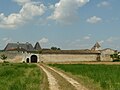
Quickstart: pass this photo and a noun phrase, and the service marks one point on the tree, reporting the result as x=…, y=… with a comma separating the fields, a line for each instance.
x=115, y=57
x=55, y=48
x=3, y=57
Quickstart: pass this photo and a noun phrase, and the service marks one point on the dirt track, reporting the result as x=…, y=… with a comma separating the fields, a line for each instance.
x=76, y=62
x=60, y=81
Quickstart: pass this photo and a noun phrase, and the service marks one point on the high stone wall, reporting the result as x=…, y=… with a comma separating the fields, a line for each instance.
x=67, y=57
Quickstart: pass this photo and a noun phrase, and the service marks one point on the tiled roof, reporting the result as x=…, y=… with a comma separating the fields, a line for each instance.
x=19, y=46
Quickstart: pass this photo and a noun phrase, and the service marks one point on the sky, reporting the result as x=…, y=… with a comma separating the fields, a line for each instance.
x=67, y=24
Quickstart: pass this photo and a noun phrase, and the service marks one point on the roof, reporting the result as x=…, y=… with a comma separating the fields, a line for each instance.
x=19, y=46
x=70, y=52
x=97, y=45
x=37, y=46
x=108, y=49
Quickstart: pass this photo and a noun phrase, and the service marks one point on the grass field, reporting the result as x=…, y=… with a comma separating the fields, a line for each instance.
x=19, y=77
x=104, y=77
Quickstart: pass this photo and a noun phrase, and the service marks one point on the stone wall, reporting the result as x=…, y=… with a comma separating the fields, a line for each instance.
x=106, y=58
x=67, y=57
x=105, y=54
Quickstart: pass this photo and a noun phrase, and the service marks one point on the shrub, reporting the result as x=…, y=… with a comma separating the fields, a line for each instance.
x=116, y=60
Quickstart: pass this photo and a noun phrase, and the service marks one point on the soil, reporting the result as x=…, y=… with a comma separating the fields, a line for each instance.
x=59, y=80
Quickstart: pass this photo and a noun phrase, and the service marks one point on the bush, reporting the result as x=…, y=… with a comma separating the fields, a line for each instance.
x=116, y=60
x=3, y=57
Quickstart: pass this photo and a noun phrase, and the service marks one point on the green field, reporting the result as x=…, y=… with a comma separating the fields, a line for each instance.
x=97, y=77
x=19, y=76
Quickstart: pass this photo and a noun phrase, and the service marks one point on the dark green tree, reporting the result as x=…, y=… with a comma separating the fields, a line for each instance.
x=115, y=57
x=3, y=57
x=55, y=48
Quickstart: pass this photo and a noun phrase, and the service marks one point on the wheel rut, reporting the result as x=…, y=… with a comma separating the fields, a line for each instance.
x=60, y=81
x=53, y=85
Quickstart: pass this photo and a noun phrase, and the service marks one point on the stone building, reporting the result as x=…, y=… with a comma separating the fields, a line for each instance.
x=105, y=54
x=47, y=55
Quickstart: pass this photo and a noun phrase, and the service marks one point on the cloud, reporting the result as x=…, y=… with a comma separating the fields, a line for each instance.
x=86, y=38
x=101, y=42
x=6, y=40
x=27, y=12
x=112, y=39
x=43, y=41
x=22, y=2
x=65, y=11
x=94, y=19
x=103, y=4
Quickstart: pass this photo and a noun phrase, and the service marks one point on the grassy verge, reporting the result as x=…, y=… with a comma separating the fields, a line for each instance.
x=105, y=77
x=19, y=76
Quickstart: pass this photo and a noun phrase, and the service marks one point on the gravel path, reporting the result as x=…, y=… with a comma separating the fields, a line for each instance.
x=76, y=84
x=53, y=84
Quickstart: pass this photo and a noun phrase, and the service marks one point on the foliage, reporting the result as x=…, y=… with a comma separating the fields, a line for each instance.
x=19, y=77
x=106, y=77
x=115, y=57
x=55, y=48
x=3, y=57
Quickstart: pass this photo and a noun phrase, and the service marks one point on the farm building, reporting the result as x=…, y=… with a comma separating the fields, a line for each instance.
x=30, y=58
x=96, y=46
x=22, y=47
x=105, y=54
x=48, y=55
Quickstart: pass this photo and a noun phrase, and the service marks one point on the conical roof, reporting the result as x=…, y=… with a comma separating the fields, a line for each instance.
x=96, y=46
x=37, y=46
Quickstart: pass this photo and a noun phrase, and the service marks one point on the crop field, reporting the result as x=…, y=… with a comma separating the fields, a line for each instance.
x=19, y=76
x=99, y=77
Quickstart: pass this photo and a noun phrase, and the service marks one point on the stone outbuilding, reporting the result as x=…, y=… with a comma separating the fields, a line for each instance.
x=105, y=54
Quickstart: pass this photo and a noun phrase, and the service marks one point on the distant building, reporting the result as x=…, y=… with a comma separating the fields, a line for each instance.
x=105, y=54
x=96, y=46
x=37, y=46
x=21, y=47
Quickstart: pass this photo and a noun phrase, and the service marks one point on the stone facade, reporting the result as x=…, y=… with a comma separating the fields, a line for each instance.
x=67, y=57
x=27, y=57
x=105, y=54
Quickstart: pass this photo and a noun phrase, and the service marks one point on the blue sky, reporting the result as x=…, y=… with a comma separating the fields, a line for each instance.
x=68, y=24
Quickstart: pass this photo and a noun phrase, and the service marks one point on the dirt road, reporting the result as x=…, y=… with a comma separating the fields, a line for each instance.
x=60, y=81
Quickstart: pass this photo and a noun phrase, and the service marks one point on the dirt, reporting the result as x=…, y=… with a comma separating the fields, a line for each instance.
x=57, y=78
x=53, y=85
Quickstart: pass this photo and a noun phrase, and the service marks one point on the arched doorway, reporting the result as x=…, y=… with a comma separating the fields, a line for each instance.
x=27, y=60
x=33, y=59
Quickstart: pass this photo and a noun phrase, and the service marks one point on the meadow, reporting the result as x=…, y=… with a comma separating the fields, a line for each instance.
x=19, y=76
x=95, y=77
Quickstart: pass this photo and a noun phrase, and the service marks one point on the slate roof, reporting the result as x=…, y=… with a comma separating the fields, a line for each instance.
x=19, y=46
x=37, y=46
